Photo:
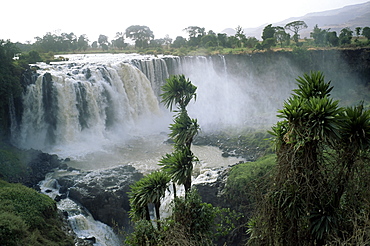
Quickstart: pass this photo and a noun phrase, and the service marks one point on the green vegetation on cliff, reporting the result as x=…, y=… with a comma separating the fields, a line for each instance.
x=29, y=218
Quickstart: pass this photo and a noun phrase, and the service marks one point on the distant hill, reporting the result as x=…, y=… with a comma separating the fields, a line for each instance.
x=351, y=16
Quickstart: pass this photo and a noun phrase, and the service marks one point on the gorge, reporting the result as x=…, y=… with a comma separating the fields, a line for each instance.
x=102, y=114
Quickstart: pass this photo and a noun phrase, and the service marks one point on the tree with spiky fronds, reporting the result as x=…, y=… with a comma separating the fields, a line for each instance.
x=148, y=190
x=318, y=187
x=178, y=91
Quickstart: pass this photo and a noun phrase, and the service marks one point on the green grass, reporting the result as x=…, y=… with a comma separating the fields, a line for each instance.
x=243, y=174
x=247, y=181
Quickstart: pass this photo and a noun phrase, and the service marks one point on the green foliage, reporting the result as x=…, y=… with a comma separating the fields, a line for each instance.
x=242, y=175
x=366, y=32
x=345, y=36
x=198, y=217
x=28, y=218
x=144, y=234
x=246, y=180
x=13, y=229
x=178, y=165
x=192, y=223
x=355, y=127
x=322, y=153
x=141, y=35
x=333, y=39
x=183, y=129
x=28, y=204
x=11, y=166
x=178, y=90
x=10, y=87
x=319, y=35
x=311, y=115
x=295, y=27
x=150, y=189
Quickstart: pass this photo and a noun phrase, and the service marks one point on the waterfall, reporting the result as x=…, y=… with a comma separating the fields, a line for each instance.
x=85, y=106
x=155, y=70
x=95, y=101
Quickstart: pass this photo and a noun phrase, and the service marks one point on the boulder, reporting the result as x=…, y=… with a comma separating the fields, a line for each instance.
x=103, y=193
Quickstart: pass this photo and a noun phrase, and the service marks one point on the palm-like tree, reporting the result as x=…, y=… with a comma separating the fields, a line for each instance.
x=178, y=91
x=310, y=124
x=184, y=129
x=355, y=140
x=148, y=190
x=179, y=166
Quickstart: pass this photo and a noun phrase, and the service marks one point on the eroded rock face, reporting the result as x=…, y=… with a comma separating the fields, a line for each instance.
x=103, y=193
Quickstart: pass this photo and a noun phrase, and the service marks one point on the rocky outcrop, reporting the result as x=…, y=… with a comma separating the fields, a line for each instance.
x=103, y=193
x=213, y=192
x=36, y=165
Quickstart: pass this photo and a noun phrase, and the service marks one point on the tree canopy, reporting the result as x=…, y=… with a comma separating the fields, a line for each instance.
x=295, y=27
x=140, y=34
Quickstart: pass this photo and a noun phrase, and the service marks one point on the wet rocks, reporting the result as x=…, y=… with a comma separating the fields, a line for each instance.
x=212, y=192
x=103, y=193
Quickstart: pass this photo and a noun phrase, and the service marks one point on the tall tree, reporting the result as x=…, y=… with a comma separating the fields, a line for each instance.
x=119, y=42
x=366, y=32
x=240, y=36
x=195, y=31
x=103, y=41
x=140, y=34
x=179, y=42
x=332, y=38
x=179, y=91
x=295, y=27
x=358, y=31
x=268, y=37
x=345, y=36
x=82, y=42
x=195, y=34
x=167, y=40
x=10, y=86
x=319, y=35
x=281, y=36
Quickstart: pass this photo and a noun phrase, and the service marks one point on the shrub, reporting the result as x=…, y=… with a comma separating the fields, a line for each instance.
x=13, y=229
x=29, y=218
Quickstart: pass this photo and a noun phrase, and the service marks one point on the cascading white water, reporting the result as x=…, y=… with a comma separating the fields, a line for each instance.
x=82, y=107
x=79, y=218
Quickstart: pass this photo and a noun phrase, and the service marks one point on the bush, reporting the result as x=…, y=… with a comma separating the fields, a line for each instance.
x=11, y=166
x=29, y=218
x=31, y=206
x=13, y=229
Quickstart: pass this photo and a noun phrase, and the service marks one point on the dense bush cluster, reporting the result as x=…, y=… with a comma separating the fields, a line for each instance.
x=29, y=218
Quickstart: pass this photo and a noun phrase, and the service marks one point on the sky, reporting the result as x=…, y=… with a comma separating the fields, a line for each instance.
x=23, y=20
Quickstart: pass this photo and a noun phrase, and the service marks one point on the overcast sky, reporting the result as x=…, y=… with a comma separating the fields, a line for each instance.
x=23, y=20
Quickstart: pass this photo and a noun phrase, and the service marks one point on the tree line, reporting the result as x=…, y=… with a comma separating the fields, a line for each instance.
x=198, y=37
